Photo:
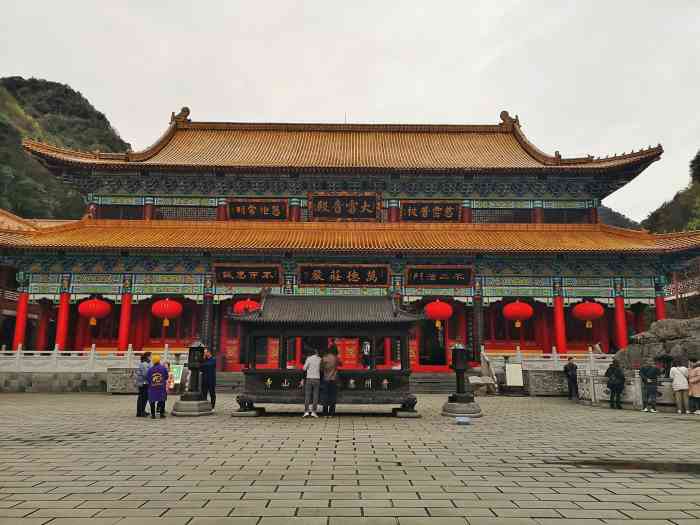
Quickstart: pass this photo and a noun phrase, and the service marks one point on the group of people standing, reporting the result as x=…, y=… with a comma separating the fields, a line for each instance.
x=685, y=383
x=321, y=382
x=152, y=383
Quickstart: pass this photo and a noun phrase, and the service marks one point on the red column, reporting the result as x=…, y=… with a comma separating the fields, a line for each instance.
x=387, y=351
x=559, y=325
x=294, y=210
x=42, y=333
x=593, y=215
x=660, y=304
x=148, y=208
x=466, y=212
x=620, y=323
x=297, y=352
x=537, y=215
x=221, y=210
x=393, y=214
x=21, y=320
x=124, y=323
x=62, y=320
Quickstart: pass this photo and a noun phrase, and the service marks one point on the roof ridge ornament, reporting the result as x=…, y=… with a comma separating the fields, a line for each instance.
x=181, y=117
x=507, y=122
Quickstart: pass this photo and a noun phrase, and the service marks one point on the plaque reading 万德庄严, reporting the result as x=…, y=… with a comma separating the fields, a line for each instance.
x=343, y=275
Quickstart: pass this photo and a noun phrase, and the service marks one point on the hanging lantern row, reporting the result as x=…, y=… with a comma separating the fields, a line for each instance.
x=166, y=309
x=94, y=309
x=588, y=311
x=438, y=311
x=246, y=306
x=518, y=312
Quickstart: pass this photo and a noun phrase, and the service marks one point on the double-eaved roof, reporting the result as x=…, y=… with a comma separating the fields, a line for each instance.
x=221, y=146
x=339, y=237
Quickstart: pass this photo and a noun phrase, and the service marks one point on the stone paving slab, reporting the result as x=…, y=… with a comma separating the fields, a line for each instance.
x=84, y=459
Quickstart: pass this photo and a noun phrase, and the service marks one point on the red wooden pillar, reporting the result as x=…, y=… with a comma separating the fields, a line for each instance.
x=148, y=208
x=387, y=351
x=559, y=319
x=294, y=210
x=593, y=215
x=620, y=322
x=21, y=320
x=538, y=214
x=62, y=320
x=124, y=323
x=394, y=212
x=221, y=210
x=42, y=333
x=297, y=351
x=660, y=297
x=466, y=211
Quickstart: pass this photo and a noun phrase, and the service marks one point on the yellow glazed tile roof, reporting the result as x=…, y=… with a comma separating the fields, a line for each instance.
x=241, y=146
x=248, y=236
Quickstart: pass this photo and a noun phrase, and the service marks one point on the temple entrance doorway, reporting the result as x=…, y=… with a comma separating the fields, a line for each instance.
x=432, y=345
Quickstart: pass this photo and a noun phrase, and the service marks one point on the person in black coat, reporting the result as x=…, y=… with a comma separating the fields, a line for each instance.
x=208, y=368
x=616, y=384
x=571, y=370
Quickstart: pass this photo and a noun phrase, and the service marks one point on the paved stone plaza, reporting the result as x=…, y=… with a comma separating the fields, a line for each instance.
x=84, y=458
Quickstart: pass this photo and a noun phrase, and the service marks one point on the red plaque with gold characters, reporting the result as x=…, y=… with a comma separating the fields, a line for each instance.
x=344, y=275
x=344, y=206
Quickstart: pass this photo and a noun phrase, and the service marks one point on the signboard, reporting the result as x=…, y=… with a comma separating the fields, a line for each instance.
x=343, y=275
x=344, y=206
x=248, y=274
x=438, y=276
x=431, y=211
x=176, y=373
x=257, y=209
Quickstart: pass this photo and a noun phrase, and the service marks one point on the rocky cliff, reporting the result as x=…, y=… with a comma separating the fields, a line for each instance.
x=667, y=340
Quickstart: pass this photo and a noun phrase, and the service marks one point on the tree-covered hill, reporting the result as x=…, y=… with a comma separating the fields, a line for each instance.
x=53, y=113
x=683, y=211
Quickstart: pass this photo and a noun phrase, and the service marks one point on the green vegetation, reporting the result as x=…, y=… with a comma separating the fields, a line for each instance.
x=56, y=114
x=683, y=211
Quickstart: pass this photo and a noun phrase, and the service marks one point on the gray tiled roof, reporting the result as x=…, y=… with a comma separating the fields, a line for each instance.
x=329, y=310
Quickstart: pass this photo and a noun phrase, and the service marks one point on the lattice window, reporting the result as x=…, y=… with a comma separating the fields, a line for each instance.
x=501, y=215
x=120, y=211
x=185, y=213
x=566, y=216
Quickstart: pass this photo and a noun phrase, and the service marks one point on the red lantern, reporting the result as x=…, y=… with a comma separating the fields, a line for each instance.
x=94, y=309
x=166, y=309
x=438, y=311
x=246, y=306
x=588, y=311
x=518, y=312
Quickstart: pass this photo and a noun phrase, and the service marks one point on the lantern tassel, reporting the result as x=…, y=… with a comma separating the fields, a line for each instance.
x=93, y=321
x=166, y=322
x=589, y=324
x=438, y=325
x=518, y=324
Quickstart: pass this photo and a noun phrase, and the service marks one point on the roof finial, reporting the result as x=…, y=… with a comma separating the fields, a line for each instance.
x=506, y=120
x=180, y=117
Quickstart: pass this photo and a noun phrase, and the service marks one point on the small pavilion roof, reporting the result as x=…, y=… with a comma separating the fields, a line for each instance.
x=329, y=310
x=342, y=237
x=223, y=146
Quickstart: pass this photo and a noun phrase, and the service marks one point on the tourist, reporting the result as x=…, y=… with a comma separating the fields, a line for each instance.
x=616, y=383
x=157, y=382
x=366, y=354
x=208, y=368
x=312, y=383
x=142, y=384
x=330, y=366
x=679, y=383
x=694, y=386
x=649, y=376
x=571, y=371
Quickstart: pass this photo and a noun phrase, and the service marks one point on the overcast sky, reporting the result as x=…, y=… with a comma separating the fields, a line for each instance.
x=598, y=77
